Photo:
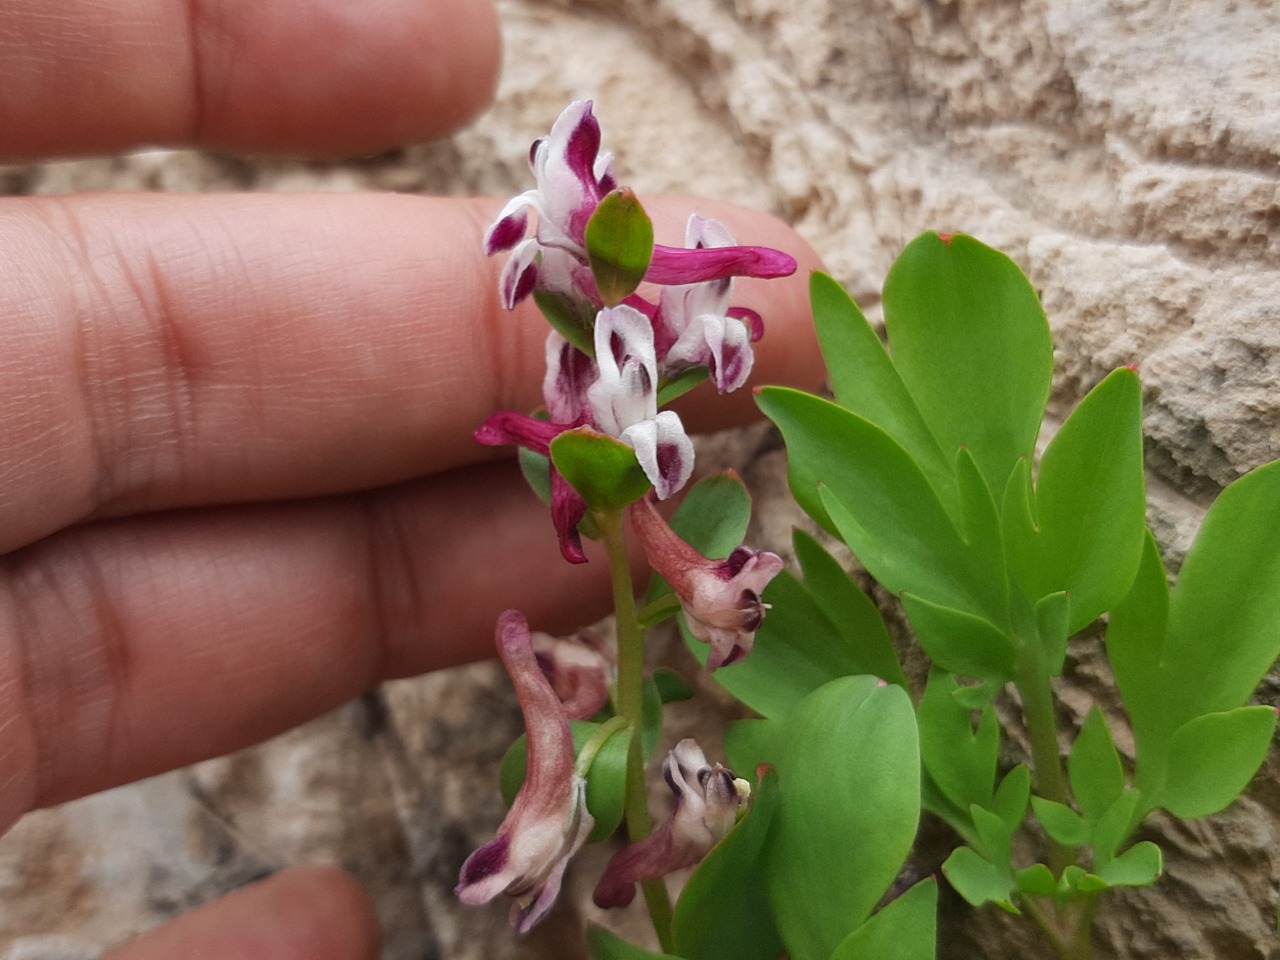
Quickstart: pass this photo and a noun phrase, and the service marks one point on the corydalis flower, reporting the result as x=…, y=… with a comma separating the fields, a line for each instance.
x=707, y=799
x=549, y=820
x=720, y=598
x=696, y=324
x=580, y=670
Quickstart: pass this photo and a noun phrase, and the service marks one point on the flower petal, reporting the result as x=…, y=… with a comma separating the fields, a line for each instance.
x=729, y=345
x=626, y=390
x=569, y=373
x=513, y=220
x=520, y=273
x=509, y=428
x=664, y=450
x=567, y=510
x=677, y=265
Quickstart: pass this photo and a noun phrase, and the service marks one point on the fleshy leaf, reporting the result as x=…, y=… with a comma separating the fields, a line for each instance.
x=961, y=760
x=961, y=642
x=619, y=241
x=906, y=929
x=605, y=945
x=1139, y=866
x=1053, y=626
x=849, y=609
x=1097, y=778
x=567, y=320
x=603, y=470
x=850, y=779
x=682, y=384
x=1212, y=759
x=1012, y=796
x=865, y=381
x=1090, y=502
x=1061, y=822
x=1036, y=880
x=671, y=687
x=1114, y=826
x=606, y=779
x=970, y=340
x=751, y=744
x=978, y=880
x=888, y=513
x=713, y=925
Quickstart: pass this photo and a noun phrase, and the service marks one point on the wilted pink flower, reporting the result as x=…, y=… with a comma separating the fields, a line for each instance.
x=706, y=807
x=549, y=820
x=720, y=598
x=580, y=669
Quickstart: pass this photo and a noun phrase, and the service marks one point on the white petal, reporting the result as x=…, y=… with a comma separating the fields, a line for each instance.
x=664, y=450
x=729, y=345
x=626, y=391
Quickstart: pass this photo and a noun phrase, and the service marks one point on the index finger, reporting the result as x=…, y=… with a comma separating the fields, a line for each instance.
x=316, y=77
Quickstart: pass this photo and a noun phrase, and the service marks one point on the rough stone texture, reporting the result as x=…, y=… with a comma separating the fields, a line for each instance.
x=1125, y=152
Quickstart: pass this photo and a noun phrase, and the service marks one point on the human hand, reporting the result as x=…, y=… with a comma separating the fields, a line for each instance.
x=240, y=485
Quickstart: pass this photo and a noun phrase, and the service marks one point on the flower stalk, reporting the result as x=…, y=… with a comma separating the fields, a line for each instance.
x=630, y=706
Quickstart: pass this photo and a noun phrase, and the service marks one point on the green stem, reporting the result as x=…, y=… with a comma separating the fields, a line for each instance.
x=1081, y=947
x=630, y=705
x=1047, y=926
x=1042, y=728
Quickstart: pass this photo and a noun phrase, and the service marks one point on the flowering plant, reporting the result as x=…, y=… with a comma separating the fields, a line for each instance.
x=923, y=465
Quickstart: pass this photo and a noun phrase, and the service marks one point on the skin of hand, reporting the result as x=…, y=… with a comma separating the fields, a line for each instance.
x=239, y=485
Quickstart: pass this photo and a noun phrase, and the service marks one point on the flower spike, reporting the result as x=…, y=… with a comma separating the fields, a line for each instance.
x=549, y=820
x=720, y=598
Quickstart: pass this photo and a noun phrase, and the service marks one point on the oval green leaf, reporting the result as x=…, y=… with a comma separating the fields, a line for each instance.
x=619, y=240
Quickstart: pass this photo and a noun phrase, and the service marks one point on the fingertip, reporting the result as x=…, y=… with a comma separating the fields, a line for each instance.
x=303, y=913
x=342, y=78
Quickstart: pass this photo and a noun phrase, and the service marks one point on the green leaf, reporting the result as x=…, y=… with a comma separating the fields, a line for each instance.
x=567, y=319
x=1114, y=826
x=724, y=913
x=849, y=610
x=1036, y=881
x=797, y=650
x=750, y=743
x=906, y=929
x=1091, y=502
x=978, y=880
x=900, y=532
x=850, y=779
x=1097, y=778
x=994, y=836
x=1135, y=647
x=976, y=696
x=865, y=381
x=961, y=760
x=970, y=340
x=537, y=473
x=1061, y=822
x=1212, y=759
x=619, y=240
x=1053, y=615
x=603, y=470
x=671, y=687
x=1012, y=796
x=961, y=642
x=609, y=946
x=679, y=386
x=1139, y=866
x=651, y=712
x=606, y=780
x=1224, y=616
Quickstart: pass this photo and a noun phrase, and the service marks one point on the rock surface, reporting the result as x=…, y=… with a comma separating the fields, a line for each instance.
x=1126, y=154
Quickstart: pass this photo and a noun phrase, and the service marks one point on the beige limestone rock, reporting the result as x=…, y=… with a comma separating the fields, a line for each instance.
x=1125, y=152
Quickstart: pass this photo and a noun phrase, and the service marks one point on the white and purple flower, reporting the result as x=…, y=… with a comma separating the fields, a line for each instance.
x=707, y=799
